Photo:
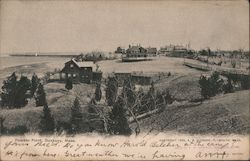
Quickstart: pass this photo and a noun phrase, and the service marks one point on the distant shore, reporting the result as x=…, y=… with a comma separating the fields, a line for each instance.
x=43, y=55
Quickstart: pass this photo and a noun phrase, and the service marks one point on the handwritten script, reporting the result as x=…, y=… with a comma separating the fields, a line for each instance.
x=161, y=147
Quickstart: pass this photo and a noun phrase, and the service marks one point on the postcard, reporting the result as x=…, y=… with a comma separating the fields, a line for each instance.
x=124, y=80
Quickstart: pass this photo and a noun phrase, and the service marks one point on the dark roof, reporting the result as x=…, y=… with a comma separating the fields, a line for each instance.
x=136, y=49
x=151, y=50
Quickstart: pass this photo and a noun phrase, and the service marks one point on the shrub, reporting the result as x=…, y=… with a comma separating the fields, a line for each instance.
x=63, y=126
x=18, y=130
x=68, y=84
x=98, y=92
x=228, y=87
x=211, y=86
x=245, y=82
x=167, y=97
x=2, y=128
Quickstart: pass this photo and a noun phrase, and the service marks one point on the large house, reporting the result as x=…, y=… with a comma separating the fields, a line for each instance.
x=173, y=50
x=84, y=71
x=120, y=50
x=138, y=53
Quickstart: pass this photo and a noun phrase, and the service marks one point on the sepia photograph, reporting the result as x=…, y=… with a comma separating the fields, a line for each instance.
x=124, y=80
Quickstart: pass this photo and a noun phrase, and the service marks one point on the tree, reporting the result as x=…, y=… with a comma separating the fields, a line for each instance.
x=69, y=84
x=98, y=92
x=111, y=90
x=40, y=96
x=228, y=87
x=47, y=124
x=76, y=116
x=211, y=86
x=151, y=95
x=3, y=129
x=8, y=94
x=23, y=85
x=118, y=123
x=216, y=84
x=128, y=91
x=34, y=83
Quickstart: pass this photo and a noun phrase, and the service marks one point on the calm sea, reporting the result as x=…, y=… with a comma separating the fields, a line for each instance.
x=11, y=61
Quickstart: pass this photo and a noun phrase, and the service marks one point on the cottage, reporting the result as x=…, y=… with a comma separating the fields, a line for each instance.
x=84, y=71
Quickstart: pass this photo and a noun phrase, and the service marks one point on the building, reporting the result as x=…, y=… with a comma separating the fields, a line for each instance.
x=151, y=51
x=137, y=53
x=173, y=50
x=166, y=50
x=84, y=72
x=120, y=50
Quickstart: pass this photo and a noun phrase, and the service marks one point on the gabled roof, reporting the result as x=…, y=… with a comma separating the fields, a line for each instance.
x=151, y=50
x=137, y=49
x=84, y=64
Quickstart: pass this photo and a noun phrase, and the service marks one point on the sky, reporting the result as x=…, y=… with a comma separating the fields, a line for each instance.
x=79, y=26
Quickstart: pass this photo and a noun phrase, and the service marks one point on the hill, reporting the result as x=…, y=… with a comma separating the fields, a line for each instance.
x=225, y=114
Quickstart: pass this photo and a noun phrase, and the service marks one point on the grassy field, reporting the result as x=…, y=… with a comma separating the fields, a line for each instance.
x=221, y=114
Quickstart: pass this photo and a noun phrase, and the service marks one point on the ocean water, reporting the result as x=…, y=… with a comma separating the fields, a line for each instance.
x=11, y=61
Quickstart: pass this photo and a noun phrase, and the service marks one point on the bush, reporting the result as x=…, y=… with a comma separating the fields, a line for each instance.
x=245, y=82
x=63, y=126
x=18, y=130
x=68, y=84
x=228, y=87
x=98, y=92
x=211, y=86
x=167, y=97
x=2, y=128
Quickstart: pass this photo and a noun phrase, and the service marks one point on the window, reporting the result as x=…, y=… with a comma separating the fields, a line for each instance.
x=74, y=75
x=71, y=65
x=63, y=75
